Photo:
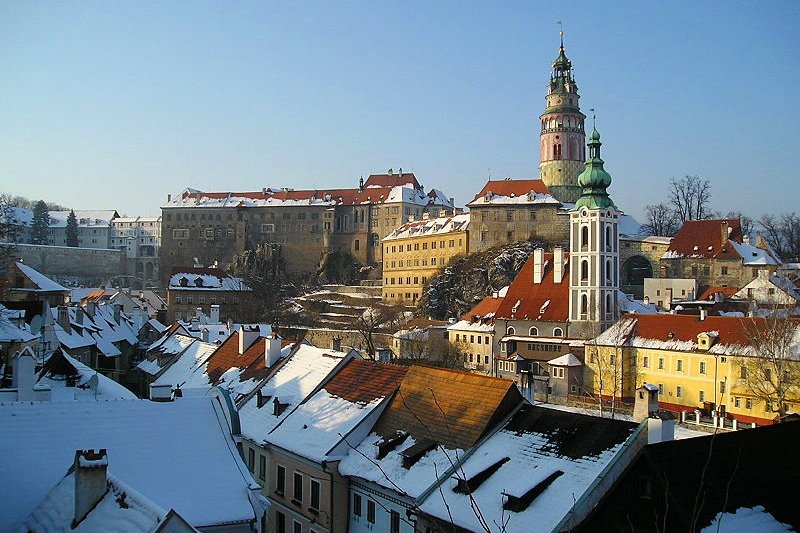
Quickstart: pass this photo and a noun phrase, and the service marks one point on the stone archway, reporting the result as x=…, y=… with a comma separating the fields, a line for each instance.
x=634, y=271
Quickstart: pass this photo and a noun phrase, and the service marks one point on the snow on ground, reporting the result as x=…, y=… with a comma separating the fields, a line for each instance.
x=746, y=520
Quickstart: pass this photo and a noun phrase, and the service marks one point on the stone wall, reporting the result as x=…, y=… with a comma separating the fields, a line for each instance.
x=493, y=225
x=74, y=266
x=323, y=338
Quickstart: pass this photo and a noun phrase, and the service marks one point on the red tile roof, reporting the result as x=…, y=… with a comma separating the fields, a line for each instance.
x=512, y=187
x=525, y=300
x=227, y=356
x=364, y=381
x=730, y=330
x=393, y=180
x=708, y=292
x=704, y=238
x=486, y=306
x=450, y=407
x=376, y=194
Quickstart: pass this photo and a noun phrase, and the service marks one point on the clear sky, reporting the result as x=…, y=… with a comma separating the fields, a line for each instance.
x=113, y=105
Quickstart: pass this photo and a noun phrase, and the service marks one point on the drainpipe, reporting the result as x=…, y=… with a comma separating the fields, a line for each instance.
x=330, y=496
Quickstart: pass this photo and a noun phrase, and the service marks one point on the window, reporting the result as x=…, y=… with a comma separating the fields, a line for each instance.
x=356, y=504
x=558, y=332
x=280, y=522
x=584, y=237
x=558, y=372
x=645, y=362
x=584, y=270
x=701, y=395
x=678, y=391
x=177, y=298
x=702, y=367
x=748, y=403
x=267, y=228
x=534, y=331
x=510, y=216
x=315, y=490
x=486, y=339
x=180, y=234
x=660, y=388
x=297, y=527
x=297, y=492
x=722, y=387
x=724, y=271
x=743, y=372
x=251, y=460
x=371, y=511
x=395, y=521
x=510, y=330
x=679, y=365
x=706, y=270
x=661, y=363
x=262, y=466
x=280, y=480
x=737, y=402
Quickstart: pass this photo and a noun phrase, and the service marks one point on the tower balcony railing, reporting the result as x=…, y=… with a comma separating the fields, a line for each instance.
x=559, y=129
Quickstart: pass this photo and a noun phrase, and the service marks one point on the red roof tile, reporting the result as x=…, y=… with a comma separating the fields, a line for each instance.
x=708, y=292
x=227, y=356
x=364, y=381
x=512, y=187
x=486, y=306
x=704, y=238
x=450, y=407
x=392, y=180
x=730, y=330
x=525, y=300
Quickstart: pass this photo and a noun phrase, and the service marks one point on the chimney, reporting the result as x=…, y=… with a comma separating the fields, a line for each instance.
x=117, y=313
x=272, y=350
x=91, y=307
x=246, y=337
x=90, y=470
x=169, y=197
x=390, y=172
x=261, y=400
x=336, y=344
x=214, y=314
x=538, y=265
x=558, y=264
x=702, y=314
x=204, y=335
x=161, y=392
x=201, y=317
x=24, y=375
x=63, y=318
x=79, y=312
x=725, y=231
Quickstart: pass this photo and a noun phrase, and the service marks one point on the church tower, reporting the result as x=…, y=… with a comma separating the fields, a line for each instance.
x=562, y=137
x=594, y=247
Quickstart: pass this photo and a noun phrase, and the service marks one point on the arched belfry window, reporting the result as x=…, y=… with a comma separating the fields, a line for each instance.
x=557, y=151
x=584, y=237
x=609, y=243
x=584, y=304
x=609, y=308
x=584, y=270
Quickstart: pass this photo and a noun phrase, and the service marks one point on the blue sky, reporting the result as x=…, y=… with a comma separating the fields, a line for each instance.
x=113, y=105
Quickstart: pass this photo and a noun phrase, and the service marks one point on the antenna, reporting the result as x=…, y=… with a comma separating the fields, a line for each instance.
x=594, y=118
x=490, y=174
x=561, y=32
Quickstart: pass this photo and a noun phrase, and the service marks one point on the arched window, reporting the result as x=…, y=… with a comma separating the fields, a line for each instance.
x=609, y=273
x=584, y=270
x=534, y=331
x=609, y=307
x=376, y=239
x=510, y=330
x=584, y=304
x=609, y=243
x=558, y=332
x=557, y=151
x=584, y=237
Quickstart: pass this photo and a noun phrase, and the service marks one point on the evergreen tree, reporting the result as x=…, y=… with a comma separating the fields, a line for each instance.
x=72, y=229
x=41, y=221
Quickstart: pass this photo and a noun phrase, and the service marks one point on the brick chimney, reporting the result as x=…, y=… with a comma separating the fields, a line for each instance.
x=725, y=231
x=538, y=265
x=63, y=318
x=90, y=481
x=558, y=264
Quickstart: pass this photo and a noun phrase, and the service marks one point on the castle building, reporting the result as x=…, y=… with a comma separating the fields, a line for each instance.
x=594, y=246
x=415, y=251
x=562, y=136
x=201, y=227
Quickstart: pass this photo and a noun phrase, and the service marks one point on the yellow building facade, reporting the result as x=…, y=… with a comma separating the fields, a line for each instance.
x=704, y=363
x=415, y=251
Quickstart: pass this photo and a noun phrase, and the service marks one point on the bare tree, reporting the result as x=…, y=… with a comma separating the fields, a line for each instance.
x=611, y=370
x=661, y=220
x=9, y=234
x=374, y=319
x=782, y=233
x=747, y=223
x=770, y=368
x=690, y=197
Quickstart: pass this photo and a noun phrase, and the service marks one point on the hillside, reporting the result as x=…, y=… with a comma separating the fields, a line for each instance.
x=466, y=280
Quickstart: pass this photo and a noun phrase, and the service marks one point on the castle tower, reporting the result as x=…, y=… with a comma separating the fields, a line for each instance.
x=594, y=247
x=562, y=137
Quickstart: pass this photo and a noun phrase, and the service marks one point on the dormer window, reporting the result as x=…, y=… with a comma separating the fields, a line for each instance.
x=198, y=281
x=183, y=282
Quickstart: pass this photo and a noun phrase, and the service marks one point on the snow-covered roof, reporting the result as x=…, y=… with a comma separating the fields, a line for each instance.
x=304, y=370
x=42, y=282
x=205, y=279
x=188, y=370
x=752, y=255
x=10, y=332
x=533, y=470
x=180, y=454
x=513, y=192
x=315, y=427
x=156, y=325
x=746, y=520
x=100, y=329
x=567, y=359
x=431, y=226
x=55, y=375
x=629, y=305
x=19, y=216
x=58, y=219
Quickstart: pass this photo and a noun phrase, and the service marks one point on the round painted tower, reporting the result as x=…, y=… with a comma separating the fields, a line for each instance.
x=562, y=151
